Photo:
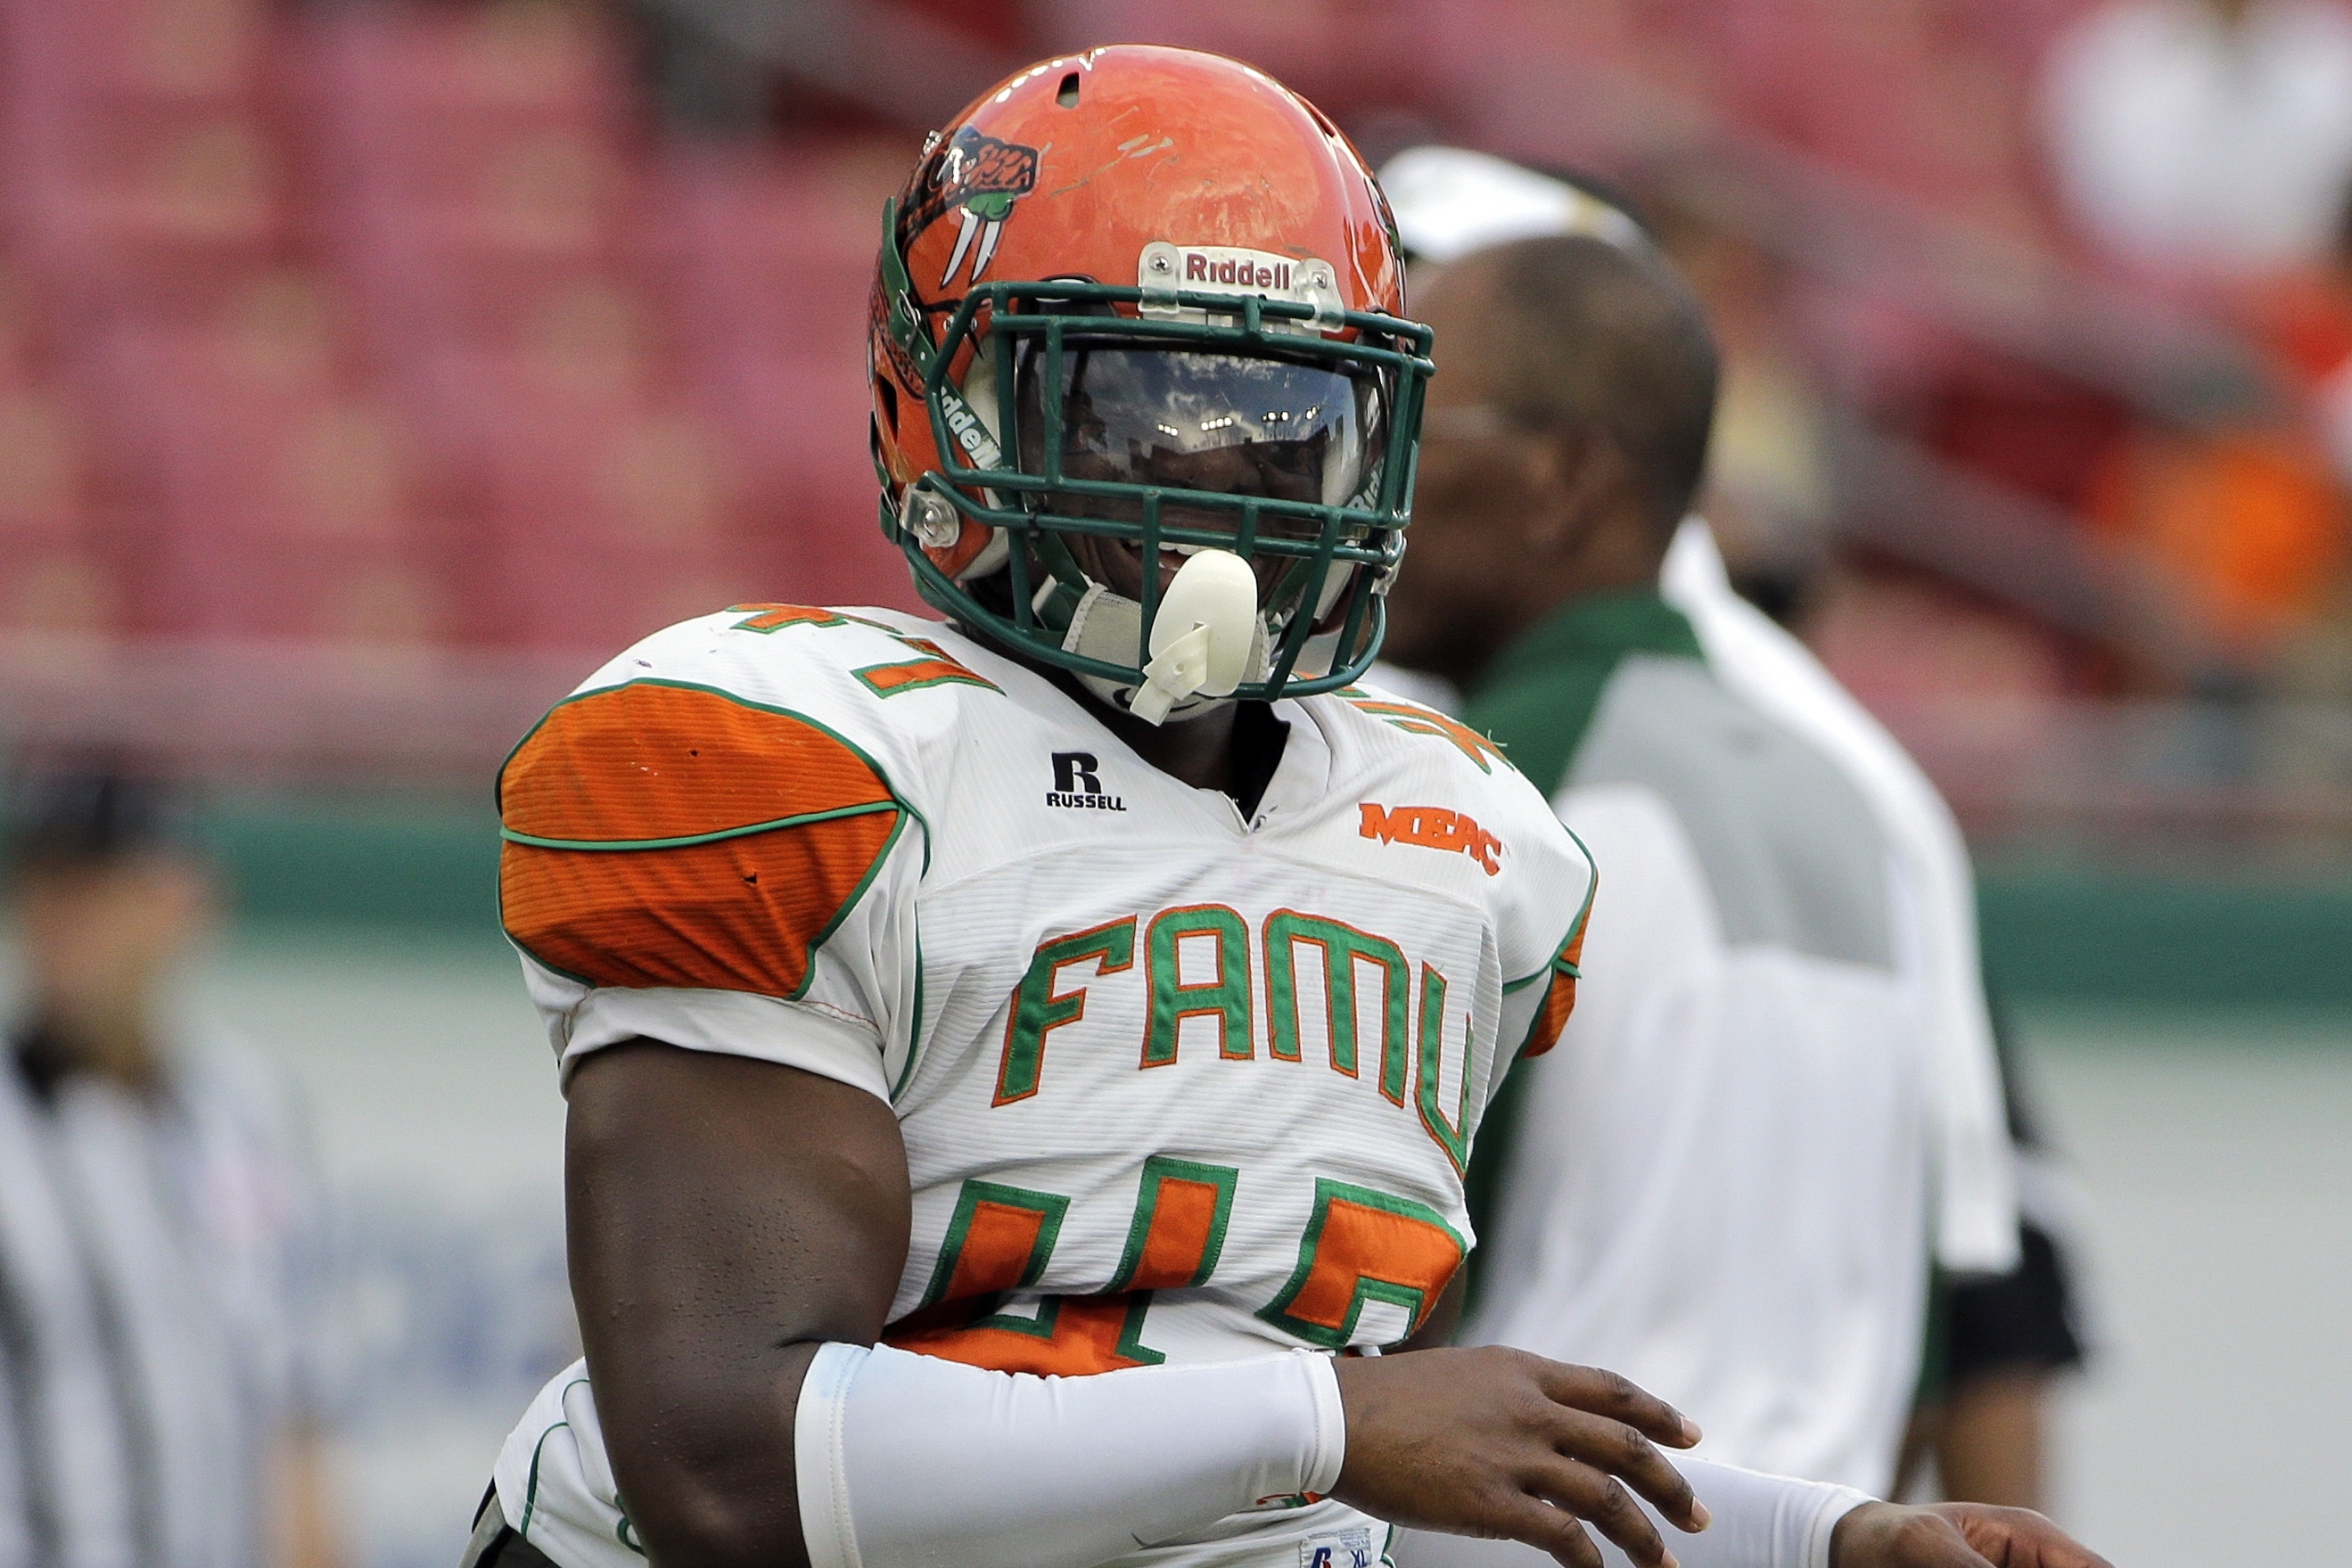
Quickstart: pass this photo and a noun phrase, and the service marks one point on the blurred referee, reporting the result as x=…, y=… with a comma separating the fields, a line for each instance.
x=157, y=1221
x=1766, y=1173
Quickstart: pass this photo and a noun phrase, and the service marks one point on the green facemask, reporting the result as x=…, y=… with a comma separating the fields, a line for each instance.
x=1207, y=422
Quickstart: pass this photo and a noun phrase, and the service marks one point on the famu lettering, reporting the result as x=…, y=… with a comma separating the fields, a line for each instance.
x=1362, y=976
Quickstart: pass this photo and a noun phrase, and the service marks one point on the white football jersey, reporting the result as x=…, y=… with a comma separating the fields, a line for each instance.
x=1175, y=1085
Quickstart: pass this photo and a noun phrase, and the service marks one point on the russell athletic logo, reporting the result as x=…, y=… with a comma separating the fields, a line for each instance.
x=1433, y=828
x=1077, y=785
x=1339, y=1548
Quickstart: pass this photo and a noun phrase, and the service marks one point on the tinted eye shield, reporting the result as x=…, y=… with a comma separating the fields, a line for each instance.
x=982, y=476
x=1178, y=419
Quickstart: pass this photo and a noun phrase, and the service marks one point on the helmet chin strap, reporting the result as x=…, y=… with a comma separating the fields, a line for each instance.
x=1206, y=639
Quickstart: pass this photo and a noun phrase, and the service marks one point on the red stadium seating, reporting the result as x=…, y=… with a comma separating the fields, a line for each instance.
x=54, y=576
x=54, y=573
x=459, y=163
x=135, y=160
x=266, y=490
x=593, y=519
x=767, y=267
x=557, y=384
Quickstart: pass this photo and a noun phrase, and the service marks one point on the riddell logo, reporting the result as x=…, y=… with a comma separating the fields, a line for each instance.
x=1433, y=828
x=1236, y=270
x=1076, y=786
x=1164, y=269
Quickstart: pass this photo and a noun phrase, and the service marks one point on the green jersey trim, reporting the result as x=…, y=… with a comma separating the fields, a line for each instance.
x=689, y=839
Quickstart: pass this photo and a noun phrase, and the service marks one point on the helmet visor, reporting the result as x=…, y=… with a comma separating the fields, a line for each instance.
x=1224, y=424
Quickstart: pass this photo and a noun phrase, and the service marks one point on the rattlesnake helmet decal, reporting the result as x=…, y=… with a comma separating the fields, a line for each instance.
x=981, y=177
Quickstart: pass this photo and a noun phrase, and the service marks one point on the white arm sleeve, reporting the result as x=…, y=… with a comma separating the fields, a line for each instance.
x=1760, y=1521
x=906, y=1460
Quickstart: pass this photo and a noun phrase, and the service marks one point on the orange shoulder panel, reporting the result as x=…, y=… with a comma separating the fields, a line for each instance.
x=668, y=835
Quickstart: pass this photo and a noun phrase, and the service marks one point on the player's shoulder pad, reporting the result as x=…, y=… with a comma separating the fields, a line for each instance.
x=851, y=660
x=707, y=807
x=1393, y=734
x=1544, y=880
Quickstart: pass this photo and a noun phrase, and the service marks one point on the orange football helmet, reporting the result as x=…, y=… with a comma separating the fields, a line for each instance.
x=1149, y=300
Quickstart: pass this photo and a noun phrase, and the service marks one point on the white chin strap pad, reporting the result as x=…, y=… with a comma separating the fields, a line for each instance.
x=1206, y=639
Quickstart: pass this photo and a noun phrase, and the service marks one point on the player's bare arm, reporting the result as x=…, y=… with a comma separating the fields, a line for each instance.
x=728, y=1216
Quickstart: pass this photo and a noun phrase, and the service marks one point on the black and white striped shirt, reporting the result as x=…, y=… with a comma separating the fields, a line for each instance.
x=157, y=1255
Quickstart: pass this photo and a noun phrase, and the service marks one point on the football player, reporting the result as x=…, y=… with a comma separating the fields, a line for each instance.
x=1021, y=1069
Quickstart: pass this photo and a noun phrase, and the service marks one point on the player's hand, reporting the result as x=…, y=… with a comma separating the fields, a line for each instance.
x=1954, y=1535
x=1500, y=1443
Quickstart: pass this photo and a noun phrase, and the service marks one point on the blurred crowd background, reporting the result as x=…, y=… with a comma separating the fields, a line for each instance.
x=370, y=360
x=370, y=369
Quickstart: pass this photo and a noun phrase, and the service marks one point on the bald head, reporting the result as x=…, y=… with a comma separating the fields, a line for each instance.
x=1574, y=333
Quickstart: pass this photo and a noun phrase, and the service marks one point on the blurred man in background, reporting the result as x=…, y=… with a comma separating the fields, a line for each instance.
x=156, y=1222
x=1816, y=1051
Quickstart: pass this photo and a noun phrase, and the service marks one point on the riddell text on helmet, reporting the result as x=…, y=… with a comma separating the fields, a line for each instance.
x=1235, y=268
x=1241, y=272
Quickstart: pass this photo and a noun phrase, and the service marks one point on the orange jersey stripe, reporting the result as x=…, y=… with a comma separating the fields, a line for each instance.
x=1559, y=997
x=997, y=1251
x=1075, y=1336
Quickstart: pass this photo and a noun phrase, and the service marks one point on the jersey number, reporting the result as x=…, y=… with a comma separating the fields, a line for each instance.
x=1363, y=1246
x=935, y=668
x=999, y=1242
x=1360, y=1246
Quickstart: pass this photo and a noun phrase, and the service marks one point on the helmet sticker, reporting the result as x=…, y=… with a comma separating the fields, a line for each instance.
x=982, y=177
x=882, y=332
